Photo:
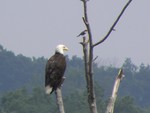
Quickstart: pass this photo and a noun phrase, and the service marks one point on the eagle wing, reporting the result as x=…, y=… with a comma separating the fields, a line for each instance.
x=54, y=72
x=50, y=67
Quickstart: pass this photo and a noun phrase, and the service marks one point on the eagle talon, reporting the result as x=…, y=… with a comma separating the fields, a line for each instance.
x=62, y=81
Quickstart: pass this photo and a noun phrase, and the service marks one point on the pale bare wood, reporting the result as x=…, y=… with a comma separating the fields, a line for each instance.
x=112, y=100
x=59, y=100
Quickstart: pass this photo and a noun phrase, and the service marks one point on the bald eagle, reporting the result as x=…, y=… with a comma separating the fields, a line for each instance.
x=55, y=69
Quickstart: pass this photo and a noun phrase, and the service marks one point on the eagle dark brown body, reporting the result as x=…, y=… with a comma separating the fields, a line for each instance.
x=54, y=72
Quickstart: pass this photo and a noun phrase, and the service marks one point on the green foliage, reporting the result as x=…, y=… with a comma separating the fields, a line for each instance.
x=19, y=71
x=76, y=103
x=20, y=101
x=126, y=105
x=129, y=67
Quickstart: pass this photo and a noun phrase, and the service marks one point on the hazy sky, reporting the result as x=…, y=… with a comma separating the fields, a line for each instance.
x=35, y=27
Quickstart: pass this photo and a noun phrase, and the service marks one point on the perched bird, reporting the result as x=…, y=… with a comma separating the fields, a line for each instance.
x=55, y=69
x=82, y=33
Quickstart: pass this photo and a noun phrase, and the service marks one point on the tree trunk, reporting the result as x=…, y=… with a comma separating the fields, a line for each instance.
x=59, y=100
x=88, y=48
x=111, y=104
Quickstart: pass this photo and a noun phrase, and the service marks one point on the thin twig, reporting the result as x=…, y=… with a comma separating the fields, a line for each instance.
x=114, y=24
x=95, y=58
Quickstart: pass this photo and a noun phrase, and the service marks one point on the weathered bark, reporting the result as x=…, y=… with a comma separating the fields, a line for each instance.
x=112, y=100
x=85, y=52
x=89, y=76
x=59, y=100
x=88, y=48
x=89, y=63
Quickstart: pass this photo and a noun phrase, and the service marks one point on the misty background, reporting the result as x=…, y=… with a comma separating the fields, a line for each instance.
x=35, y=27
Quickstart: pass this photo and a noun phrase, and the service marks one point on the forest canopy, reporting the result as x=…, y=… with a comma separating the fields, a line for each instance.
x=22, y=86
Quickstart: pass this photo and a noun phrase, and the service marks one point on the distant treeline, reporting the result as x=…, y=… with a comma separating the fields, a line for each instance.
x=22, y=86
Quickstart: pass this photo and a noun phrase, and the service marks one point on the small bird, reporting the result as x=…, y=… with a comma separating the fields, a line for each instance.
x=55, y=69
x=82, y=33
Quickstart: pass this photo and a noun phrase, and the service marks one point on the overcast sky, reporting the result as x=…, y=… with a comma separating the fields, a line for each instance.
x=35, y=27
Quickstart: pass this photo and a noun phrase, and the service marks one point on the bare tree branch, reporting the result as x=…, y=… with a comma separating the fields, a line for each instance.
x=114, y=24
x=85, y=52
x=89, y=62
x=86, y=22
x=59, y=100
x=88, y=47
x=95, y=58
x=111, y=104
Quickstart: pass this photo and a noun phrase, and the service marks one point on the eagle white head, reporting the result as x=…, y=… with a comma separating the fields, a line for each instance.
x=61, y=48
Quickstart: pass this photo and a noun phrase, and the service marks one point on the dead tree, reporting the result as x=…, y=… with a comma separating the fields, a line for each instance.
x=112, y=100
x=88, y=47
x=59, y=100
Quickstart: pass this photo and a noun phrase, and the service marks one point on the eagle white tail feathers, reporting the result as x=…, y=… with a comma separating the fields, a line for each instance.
x=48, y=89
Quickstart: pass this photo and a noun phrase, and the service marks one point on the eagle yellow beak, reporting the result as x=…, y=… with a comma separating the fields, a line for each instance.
x=65, y=49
